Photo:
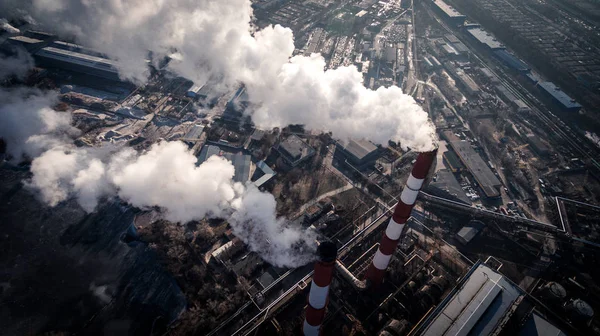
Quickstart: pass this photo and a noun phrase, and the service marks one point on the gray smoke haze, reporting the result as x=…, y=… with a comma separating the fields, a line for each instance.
x=254, y=218
x=215, y=39
x=16, y=65
x=29, y=125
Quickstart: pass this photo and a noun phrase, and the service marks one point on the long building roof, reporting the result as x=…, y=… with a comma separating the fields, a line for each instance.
x=99, y=63
x=485, y=38
x=476, y=307
x=447, y=9
x=484, y=176
x=563, y=98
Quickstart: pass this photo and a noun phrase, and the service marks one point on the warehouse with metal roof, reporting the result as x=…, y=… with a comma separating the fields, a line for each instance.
x=485, y=38
x=449, y=13
x=488, y=182
x=241, y=162
x=76, y=61
x=511, y=60
x=360, y=152
x=477, y=306
x=562, y=99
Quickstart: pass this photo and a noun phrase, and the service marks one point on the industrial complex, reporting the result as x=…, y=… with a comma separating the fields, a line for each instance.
x=493, y=230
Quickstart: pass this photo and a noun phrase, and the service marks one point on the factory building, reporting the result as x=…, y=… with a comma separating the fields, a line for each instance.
x=469, y=231
x=436, y=63
x=241, y=162
x=193, y=134
x=359, y=153
x=267, y=174
x=488, y=182
x=69, y=57
x=477, y=306
x=445, y=185
x=448, y=12
x=28, y=43
x=511, y=61
x=484, y=38
x=294, y=151
x=452, y=162
x=449, y=52
x=464, y=80
x=559, y=97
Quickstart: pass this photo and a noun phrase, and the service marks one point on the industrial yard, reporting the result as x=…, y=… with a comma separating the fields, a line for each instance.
x=494, y=231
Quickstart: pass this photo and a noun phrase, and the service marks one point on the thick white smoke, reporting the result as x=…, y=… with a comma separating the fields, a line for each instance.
x=29, y=125
x=254, y=218
x=166, y=176
x=208, y=39
x=215, y=39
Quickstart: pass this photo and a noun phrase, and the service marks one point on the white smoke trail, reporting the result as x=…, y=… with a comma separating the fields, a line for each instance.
x=215, y=39
x=212, y=39
x=29, y=124
x=165, y=176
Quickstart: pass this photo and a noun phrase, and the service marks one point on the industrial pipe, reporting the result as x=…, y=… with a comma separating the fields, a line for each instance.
x=402, y=211
x=319, y=288
x=359, y=285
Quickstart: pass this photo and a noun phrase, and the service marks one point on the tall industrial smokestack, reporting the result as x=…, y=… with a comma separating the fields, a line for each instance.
x=401, y=214
x=319, y=288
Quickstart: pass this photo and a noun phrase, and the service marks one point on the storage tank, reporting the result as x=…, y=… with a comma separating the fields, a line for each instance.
x=579, y=311
x=396, y=327
x=554, y=292
x=439, y=282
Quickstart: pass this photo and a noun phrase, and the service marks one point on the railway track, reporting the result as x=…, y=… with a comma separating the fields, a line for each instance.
x=548, y=118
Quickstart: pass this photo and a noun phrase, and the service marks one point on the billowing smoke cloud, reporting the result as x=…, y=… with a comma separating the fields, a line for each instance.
x=166, y=176
x=207, y=39
x=254, y=219
x=215, y=39
x=27, y=123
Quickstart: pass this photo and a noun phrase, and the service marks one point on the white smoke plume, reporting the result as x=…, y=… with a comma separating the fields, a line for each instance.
x=208, y=39
x=29, y=125
x=255, y=218
x=215, y=39
x=166, y=176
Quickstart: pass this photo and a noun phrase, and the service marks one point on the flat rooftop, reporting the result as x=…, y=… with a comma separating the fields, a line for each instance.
x=195, y=132
x=563, y=98
x=484, y=176
x=360, y=148
x=25, y=39
x=511, y=60
x=475, y=307
x=68, y=56
x=295, y=148
x=485, y=38
x=447, y=9
x=447, y=183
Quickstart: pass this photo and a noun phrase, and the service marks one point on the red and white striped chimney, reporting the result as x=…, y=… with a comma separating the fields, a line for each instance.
x=319, y=288
x=402, y=211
